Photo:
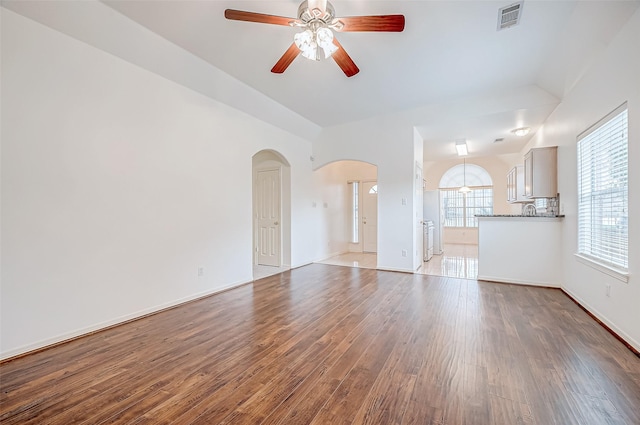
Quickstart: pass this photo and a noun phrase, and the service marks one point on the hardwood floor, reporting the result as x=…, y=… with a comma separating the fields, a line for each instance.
x=336, y=345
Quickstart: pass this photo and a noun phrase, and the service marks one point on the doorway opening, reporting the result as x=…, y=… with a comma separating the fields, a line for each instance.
x=350, y=213
x=271, y=248
x=452, y=213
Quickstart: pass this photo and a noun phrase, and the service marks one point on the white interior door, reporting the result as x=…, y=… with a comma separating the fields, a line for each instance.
x=370, y=217
x=268, y=237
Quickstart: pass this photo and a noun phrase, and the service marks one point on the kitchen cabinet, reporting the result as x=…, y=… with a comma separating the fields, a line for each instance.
x=541, y=173
x=515, y=185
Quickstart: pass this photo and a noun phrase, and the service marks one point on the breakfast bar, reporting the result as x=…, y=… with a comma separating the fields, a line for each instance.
x=520, y=249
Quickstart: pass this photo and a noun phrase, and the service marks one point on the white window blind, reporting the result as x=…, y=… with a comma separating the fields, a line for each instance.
x=354, y=196
x=603, y=191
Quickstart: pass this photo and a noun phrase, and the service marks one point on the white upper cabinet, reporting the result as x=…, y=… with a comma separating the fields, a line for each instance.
x=515, y=185
x=541, y=173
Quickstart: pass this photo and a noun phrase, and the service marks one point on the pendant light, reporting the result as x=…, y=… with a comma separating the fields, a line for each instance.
x=464, y=189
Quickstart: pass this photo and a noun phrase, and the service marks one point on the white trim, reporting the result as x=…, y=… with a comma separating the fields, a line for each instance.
x=603, y=268
x=602, y=121
x=301, y=265
x=519, y=282
x=389, y=269
x=43, y=344
x=622, y=334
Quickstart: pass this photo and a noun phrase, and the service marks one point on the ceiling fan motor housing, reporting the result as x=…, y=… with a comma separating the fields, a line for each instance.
x=307, y=15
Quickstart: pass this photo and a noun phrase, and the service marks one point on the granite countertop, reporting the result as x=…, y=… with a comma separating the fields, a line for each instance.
x=520, y=215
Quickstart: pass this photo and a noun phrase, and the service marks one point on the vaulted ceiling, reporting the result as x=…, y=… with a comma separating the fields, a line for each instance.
x=449, y=51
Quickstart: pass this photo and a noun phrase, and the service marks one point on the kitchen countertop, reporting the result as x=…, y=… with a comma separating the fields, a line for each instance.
x=518, y=216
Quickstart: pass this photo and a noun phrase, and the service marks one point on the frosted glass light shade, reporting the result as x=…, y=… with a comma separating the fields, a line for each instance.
x=309, y=40
x=305, y=41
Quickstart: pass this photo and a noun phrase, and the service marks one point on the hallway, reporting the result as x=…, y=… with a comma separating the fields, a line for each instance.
x=458, y=260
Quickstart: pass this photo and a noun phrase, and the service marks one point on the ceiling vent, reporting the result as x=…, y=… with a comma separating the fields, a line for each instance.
x=498, y=140
x=509, y=16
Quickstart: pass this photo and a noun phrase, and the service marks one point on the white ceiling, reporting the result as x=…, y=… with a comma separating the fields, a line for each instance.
x=449, y=51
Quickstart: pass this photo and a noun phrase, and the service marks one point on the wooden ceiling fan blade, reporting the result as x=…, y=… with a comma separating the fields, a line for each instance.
x=344, y=61
x=261, y=18
x=286, y=59
x=385, y=23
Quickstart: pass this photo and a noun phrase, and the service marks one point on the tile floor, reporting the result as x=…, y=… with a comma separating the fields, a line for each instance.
x=363, y=260
x=263, y=271
x=456, y=261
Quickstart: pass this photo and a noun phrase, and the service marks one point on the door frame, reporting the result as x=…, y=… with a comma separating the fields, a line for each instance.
x=264, y=159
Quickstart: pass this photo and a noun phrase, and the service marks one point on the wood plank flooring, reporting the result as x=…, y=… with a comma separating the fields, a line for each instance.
x=336, y=345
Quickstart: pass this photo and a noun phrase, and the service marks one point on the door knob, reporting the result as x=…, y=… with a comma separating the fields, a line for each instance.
x=275, y=223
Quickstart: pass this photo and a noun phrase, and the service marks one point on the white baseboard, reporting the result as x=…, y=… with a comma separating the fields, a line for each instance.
x=391, y=269
x=113, y=322
x=297, y=266
x=622, y=334
x=519, y=282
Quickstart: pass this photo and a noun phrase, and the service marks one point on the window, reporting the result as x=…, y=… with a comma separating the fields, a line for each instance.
x=354, y=194
x=460, y=209
x=603, y=189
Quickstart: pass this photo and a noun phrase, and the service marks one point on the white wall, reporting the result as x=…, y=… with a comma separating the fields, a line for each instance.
x=388, y=143
x=117, y=184
x=614, y=79
x=331, y=204
x=108, y=30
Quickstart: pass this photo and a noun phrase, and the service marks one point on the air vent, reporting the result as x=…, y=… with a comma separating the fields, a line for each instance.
x=498, y=140
x=509, y=16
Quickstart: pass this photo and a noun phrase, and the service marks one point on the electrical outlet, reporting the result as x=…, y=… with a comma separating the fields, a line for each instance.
x=404, y=252
x=404, y=201
x=608, y=290
x=200, y=271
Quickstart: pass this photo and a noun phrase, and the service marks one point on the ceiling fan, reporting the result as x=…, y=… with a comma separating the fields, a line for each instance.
x=317, y=19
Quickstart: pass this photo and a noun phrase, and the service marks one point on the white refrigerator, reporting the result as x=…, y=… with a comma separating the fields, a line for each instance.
x=432, y=210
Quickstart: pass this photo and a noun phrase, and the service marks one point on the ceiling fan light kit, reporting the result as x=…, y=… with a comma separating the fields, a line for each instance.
x=317, y=19
x=308, y=42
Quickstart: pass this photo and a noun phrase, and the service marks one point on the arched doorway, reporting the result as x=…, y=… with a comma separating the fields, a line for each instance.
x=271, y=248
x=348, y=213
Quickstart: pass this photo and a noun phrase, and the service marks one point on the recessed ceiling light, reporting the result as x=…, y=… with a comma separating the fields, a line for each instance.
x=461, y=147
x=522, y=131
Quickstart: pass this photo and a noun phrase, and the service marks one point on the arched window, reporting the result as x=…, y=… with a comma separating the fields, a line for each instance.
x=460, y=209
